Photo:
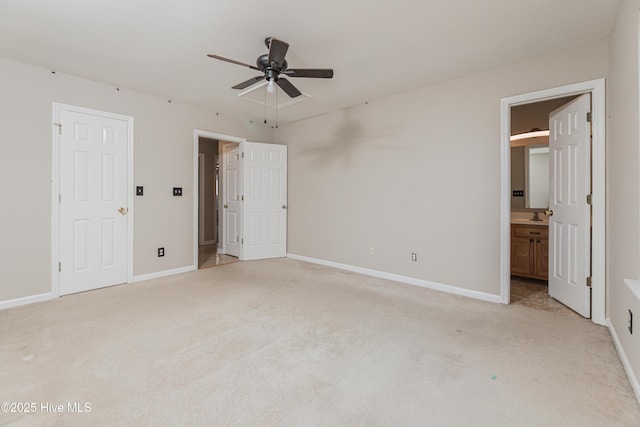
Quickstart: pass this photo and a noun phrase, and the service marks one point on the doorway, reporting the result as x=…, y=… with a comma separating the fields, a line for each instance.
x=211, y=248
x=529, y=203
x=252, y=205
x=596, y=89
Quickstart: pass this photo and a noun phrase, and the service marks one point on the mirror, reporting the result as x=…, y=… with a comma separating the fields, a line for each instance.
x=530, y=176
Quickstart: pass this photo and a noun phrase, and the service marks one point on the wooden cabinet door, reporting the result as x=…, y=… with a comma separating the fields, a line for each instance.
x=542, y=258
x=530, y=251
x=521, y=259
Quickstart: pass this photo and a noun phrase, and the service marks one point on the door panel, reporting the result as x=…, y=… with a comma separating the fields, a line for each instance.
x=80, y=244
x=570, y=225
x=108, y=242
x=93, y=186
x=255, y=229
x=265, y=200
x=231, y=199
x=109, y=179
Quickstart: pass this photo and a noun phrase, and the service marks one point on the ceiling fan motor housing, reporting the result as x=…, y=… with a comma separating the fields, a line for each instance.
x=263, y=64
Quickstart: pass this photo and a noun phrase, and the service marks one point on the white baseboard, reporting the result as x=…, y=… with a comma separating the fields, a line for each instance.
x=633, y=379
x=17, y=302
x=402, y=279
x=165, y=273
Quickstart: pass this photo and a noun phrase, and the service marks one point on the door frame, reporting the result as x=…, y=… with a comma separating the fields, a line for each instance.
x=597, y=90
x=57, y=108
x=201, y=197
x=197, y=133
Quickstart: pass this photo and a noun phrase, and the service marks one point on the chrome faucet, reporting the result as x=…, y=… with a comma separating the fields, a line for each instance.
x=535, y=217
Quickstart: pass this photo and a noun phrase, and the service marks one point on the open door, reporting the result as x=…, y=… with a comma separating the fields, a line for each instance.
x=231, y=200
x=570, y=220
x=264, y=209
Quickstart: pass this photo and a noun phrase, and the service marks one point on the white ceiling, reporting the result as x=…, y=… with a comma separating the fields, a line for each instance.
x=376, y=48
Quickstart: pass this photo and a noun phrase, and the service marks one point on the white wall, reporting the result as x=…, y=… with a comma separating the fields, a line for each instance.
x=417, y=172
x=163, y=159
x=623, y=179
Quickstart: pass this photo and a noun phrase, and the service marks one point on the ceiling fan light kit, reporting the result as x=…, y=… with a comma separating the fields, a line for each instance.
x=271, y=87
x=274, y=67
x=256, y=94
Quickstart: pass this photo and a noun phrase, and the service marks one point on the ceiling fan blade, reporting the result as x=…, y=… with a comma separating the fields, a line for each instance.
x=318, y=73
x=248, y=83
x=221, y=58
x=288, y=87
x=277, y=51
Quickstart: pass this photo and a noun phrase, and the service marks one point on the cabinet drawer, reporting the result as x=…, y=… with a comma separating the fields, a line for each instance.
x=531, y=232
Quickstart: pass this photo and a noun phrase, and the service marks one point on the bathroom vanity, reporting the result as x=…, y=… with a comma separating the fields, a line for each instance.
x=530, y=249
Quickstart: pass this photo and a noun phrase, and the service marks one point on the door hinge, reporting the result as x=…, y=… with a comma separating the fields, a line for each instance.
x=59, y=267
x=589, y=199
x=59, y=198
x=59, y=128
x=588, y=281
x=242, y=241
x=243, y=197
x=589, y=117
x=243, y=155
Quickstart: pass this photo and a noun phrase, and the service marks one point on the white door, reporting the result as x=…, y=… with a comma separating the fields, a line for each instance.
x=231, y=199
x=93, y=201
x=570, y=224
x=265, y=200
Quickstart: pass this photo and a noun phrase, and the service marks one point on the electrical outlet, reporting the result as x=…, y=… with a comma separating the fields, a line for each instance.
x=631, y=322
x=139, y=190
x=177, y=191
x=372, y=250
x=414, y=256
x=160, y=252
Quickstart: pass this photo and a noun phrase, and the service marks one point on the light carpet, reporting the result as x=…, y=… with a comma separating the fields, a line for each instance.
x=287, y=343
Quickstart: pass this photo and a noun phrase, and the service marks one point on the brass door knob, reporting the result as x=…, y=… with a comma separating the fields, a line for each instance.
x=284, y=206
x=548, y=212
x=226, y=206
x=123, y=211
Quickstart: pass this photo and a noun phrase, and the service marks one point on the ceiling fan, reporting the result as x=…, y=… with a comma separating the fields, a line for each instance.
x=274, y=67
